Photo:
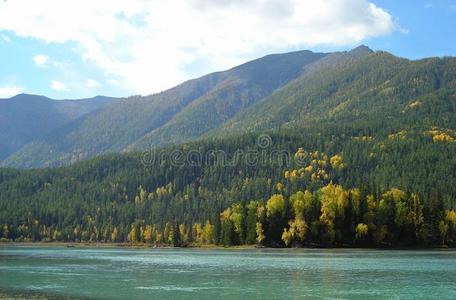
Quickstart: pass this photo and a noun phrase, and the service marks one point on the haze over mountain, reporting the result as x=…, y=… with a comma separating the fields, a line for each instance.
x=24, y=118
x=293, y=90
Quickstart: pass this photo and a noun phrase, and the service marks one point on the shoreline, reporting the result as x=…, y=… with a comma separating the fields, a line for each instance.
x=203, y=247
x=124, y=245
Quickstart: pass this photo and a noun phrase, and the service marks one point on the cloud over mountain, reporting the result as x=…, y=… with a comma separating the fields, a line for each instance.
x=148, y=46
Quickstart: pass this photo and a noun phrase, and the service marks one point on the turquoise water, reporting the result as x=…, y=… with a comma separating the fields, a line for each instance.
x=104, y=273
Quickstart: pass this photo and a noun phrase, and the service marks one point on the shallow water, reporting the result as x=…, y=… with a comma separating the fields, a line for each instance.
x=104, y=273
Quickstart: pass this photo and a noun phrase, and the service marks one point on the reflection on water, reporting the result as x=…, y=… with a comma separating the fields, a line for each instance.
x=89, y=273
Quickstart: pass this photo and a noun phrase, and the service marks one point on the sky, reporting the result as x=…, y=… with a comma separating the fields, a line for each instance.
x=79, y=49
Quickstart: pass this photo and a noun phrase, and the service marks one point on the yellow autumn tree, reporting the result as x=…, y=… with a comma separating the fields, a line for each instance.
x=301, y=203
x=447, y=227
x=114, y=235
x=208, y=233
x=56, y=235
x=275, y=205
x=442, y=137
x=296, y=232
x=361, y=231
x=168, y=233
x=355, y=196
x=333, y=200
x=287, y=236
x=158, y=236
x=133, y=235
x=337, y=162
x=300, y=228
x=148, y=234
x=260, y=233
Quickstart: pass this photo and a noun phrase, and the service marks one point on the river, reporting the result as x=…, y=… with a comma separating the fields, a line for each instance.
x=116, y=273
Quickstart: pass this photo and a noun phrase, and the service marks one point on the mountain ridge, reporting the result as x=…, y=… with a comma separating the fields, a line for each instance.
x=26, y=117
x=300, y=89
x=118, y=126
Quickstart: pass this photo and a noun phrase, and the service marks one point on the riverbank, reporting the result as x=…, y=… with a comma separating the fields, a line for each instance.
x=119, y=245
x=203, y=246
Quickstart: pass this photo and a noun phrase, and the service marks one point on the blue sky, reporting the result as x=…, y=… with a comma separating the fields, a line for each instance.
x=121, y=48
x=430, y=25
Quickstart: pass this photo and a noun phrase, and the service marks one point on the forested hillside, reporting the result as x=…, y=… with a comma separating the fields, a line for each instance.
x=407, y=94
x=299, y=188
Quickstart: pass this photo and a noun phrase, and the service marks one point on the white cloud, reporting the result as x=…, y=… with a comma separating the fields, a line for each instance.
x=90, y=83
x=58, y=86
x=41, y=60
x=10, y=91
x=152, y=45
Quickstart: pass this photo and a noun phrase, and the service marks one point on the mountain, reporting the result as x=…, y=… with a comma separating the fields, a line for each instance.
x=373, y=88
x=180, y=114
x=245, y=85
x=24, y=118
x=350, y=148
x=293, y=91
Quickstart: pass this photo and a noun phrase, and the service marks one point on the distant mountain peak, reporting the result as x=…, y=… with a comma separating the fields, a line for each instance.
x=362, y=49
x=24, y=96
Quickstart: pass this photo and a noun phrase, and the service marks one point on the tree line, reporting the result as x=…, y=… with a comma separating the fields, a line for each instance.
x=357, y=191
